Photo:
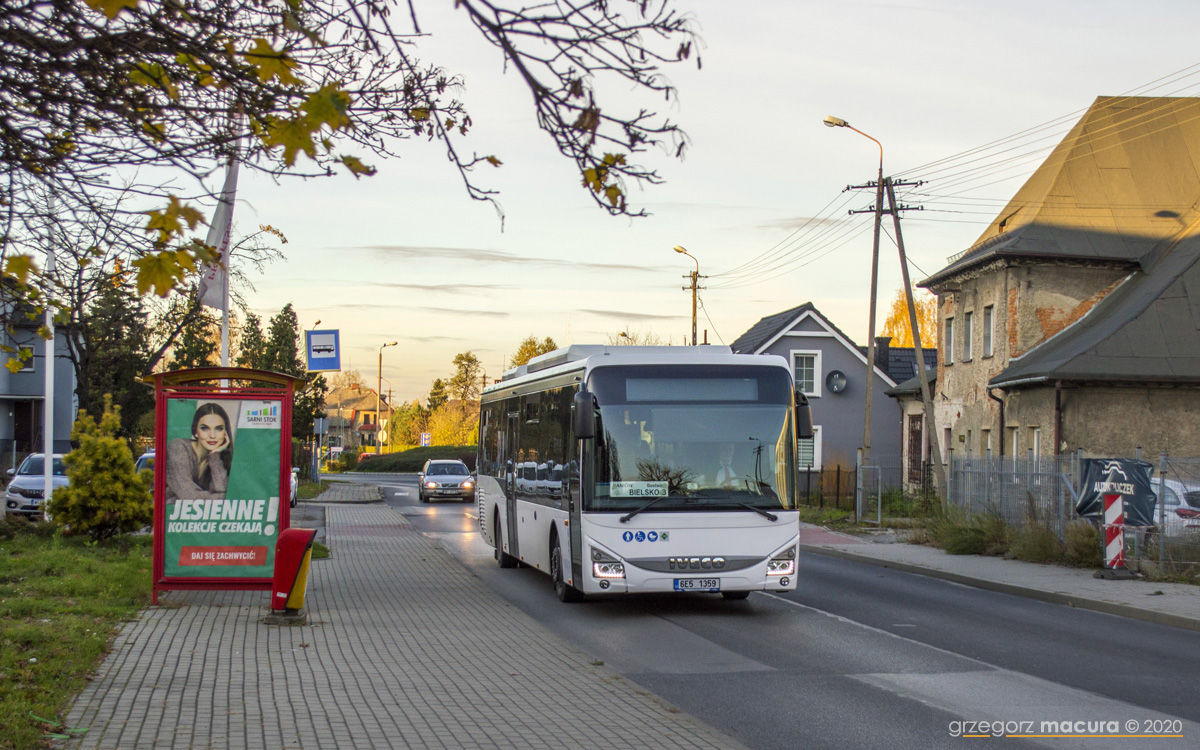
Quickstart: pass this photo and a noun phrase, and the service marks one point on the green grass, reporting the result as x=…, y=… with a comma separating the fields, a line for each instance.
x=319, y=551
x=414, y=458
x=61, y=600
x=831, y=517
x=309, y=490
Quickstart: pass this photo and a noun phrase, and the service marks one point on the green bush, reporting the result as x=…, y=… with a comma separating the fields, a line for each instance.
x=997, y=534
x=348, y=459
x=1036, y=543
x=414, y=458
x=106, y=495
x=1082, y=547
x=949, y=529
x=963, y=540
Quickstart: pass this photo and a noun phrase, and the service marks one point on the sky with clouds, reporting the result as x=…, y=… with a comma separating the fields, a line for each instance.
x=407, y=256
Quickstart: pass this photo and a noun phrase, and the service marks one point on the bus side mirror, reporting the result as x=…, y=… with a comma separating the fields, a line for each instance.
x=583, y=415
x=804, y=426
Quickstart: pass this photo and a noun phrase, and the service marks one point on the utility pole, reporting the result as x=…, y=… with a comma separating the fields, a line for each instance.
x=935, y=451
x=869, y=396
x=695, y=286
x=378, y=388
x=882, y=186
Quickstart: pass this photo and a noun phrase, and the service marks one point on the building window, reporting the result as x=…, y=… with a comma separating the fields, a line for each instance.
x=988, y=313
x=948, y=342
x=26, y=355
x=947, y=445
x=1036, y=439
x=967, y=318
x=985, y=441
x=808, y=451
x=1016, y=442
x=806, y=365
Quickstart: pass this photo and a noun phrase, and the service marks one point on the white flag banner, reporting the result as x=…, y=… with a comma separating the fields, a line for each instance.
x=212, y=277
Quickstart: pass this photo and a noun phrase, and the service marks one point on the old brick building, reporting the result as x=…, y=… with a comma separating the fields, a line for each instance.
x=1074, y=320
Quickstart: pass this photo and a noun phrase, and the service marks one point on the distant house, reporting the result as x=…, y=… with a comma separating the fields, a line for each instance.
x=831, y=370
x=353, y=420
x=22, y=393
x=1073, y=321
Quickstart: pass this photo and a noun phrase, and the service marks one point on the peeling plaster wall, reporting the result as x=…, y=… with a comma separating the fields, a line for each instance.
x=1030, y=303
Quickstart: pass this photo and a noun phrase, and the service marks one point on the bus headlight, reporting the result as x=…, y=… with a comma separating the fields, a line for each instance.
x=606, y=566
x=783, y=564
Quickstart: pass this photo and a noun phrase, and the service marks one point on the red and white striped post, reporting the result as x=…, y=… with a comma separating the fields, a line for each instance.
x=1114, y=532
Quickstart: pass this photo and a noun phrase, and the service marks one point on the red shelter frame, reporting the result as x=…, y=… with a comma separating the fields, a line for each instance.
x=217, y=383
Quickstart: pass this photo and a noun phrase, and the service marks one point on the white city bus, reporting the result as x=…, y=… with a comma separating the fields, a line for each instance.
x=619, y=469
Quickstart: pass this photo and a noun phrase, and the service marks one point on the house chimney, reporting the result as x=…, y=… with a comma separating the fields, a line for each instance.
x=882, y=344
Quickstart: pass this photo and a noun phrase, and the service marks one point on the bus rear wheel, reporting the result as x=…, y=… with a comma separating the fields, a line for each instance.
x=503, y=558
x=563, y=590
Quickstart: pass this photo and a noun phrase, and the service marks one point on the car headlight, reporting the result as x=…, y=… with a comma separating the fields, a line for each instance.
x=606, y=566
x=431, y=485
x=783, y=564
x=468, y=485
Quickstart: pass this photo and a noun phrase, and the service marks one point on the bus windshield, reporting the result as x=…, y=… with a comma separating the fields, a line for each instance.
x=692, y=439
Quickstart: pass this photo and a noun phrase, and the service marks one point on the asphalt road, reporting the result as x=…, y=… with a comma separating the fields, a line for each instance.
x=862, y=656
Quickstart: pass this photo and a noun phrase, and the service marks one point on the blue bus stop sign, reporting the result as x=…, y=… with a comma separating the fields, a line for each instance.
x=323, y=350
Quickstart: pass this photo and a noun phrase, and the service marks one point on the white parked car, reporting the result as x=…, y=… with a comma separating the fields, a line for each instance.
x=295, y=487
x=1180, y=507
x=25, y=494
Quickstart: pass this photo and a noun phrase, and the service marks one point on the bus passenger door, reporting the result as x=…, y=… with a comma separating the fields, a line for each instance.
x=510, y=481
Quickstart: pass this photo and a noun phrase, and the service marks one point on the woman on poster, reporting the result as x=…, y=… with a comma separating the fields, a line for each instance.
x=198, y=469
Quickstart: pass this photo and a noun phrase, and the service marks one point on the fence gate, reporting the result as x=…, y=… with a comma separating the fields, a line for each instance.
x=870, y=498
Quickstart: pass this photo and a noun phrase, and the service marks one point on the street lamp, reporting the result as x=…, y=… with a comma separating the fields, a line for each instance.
x=695, y=278
x=379, y=387
x=837, y=122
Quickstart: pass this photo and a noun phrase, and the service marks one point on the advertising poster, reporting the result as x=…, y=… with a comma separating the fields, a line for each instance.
x=221, y=488
x=1120, y=476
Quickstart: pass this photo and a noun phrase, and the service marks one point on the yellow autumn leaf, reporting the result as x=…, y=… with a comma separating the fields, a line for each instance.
x=614, y=195
x=356, y=167
x=20, y=266
x=293, y=136
x=14, y=365
x=154, y=76
x=328, y=106
x=419, y=114
x=171, y=220
x=159, y=272
x=111, y=8
x=271, y=63
x=493, y=161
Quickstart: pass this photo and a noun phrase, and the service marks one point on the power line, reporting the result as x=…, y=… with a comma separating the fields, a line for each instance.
x=714, y=326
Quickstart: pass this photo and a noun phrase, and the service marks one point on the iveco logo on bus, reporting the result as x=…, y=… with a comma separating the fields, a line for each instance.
x=696, y=563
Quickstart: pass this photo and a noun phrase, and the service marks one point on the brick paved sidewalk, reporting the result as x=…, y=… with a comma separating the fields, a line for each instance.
x=405, y=649
x=348, y=492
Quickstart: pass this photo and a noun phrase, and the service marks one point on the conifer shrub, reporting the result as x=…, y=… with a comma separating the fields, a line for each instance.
x=106, y=495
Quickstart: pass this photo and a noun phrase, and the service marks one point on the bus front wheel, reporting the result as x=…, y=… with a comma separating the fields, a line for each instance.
x=565, y=591
x=506, y=560
x=735, y=596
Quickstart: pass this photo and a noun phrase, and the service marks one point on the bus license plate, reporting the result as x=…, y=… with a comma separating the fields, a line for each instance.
x=697, y=584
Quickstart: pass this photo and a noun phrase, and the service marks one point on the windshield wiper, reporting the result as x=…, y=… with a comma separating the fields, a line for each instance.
x=633, y=513
x=765, y=513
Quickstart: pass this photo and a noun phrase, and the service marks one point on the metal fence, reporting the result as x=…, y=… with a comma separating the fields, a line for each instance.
x=891, y=488
x=1040, y=491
